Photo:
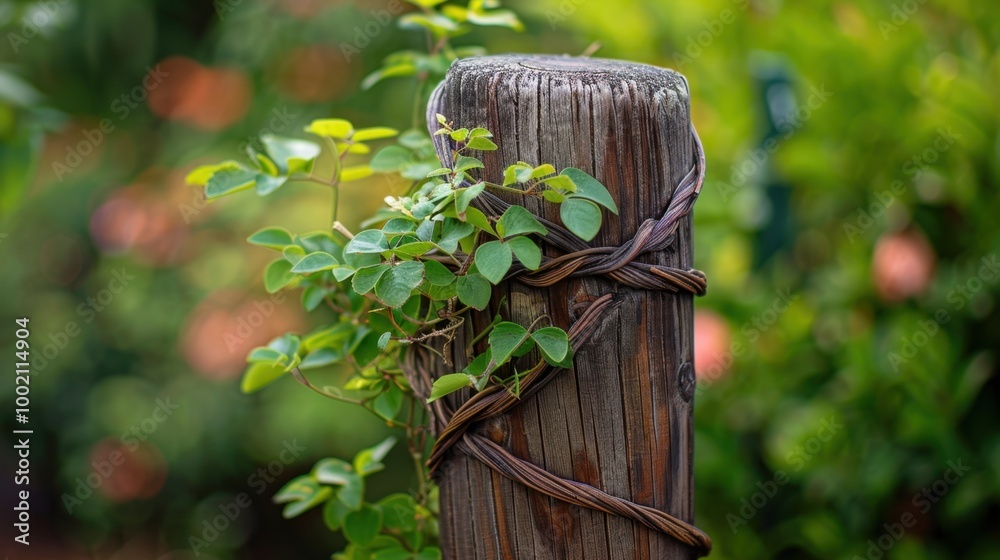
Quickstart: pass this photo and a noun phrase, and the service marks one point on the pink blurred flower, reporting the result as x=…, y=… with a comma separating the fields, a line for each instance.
x=902, y=266
x=711, y=344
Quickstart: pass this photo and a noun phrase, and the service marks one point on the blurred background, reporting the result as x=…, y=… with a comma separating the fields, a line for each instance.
x=846, y=351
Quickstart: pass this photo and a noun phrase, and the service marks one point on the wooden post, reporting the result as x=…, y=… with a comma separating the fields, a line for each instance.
x=620, y=420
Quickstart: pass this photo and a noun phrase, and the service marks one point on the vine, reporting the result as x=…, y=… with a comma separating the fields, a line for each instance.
x=428, y=259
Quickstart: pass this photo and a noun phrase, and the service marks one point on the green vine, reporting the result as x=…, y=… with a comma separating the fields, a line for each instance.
x=429, y=258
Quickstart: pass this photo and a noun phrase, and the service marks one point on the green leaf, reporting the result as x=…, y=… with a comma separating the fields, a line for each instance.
x=590, y=188
x=332, y=128
x=464, y=163
x=388, y=403
x=399, y=512
x=561, y=182
x=267, y=184
x=481, y=143
x=277, y=275
x=505, y=338
x=459, y=135
x=289, y=154
x=517, y=220
x=365, y=278
x=437, y=24
x=393, y=71
x=498, y=18
x=464, y=196
x=476, y=217
x=526, y=251
x=493, y=260
x=369, y=461
x=272, y=238
x=355, y=173
x=334, y=513
x=373, y=133
x=553, y=196
x=384, y=339
x=581, y=216
x=260, y=375
x=447, y=384
x=352, y=493
x=312, y=296
x=396, y=285
x=429, y=553
x=362, y=526
x=390, y=159
x=228, y=181
x=368, y=241
x=301, y=493
x=321, y=357
x=398, y=226
x=414, y=249
x=542, y=170
x=263, y=354
x=200, y=175
x=438, y=274
x=334, y=471
x=452, y=232
x=553, y=342
x=474, y=290
x=315, y=262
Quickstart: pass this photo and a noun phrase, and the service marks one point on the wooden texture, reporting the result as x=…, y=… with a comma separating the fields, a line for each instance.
x=617, y=420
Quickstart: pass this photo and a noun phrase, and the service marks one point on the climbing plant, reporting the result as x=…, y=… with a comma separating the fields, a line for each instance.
x=427, y=260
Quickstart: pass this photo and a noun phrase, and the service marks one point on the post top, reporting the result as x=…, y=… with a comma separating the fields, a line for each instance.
x=587, y=70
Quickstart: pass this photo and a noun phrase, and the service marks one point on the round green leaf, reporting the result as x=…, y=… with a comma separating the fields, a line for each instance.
x=518, y=220
x=505, y=338
x=315, y=262
x=277, y=275
x=272, y=238
x=438, y=274
x=368, y=241
x=474, y=290
x=553, y=342
x=396, y=285
x=590, y=188
x=365, y=278
x=526, y=251
x=581, y=216
x=362, y=526
x=493, y=260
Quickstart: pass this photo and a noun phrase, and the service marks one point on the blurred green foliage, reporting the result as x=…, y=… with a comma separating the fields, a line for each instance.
x=846, y=349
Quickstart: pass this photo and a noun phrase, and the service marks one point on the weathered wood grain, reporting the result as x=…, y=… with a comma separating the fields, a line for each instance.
x=617, y=420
